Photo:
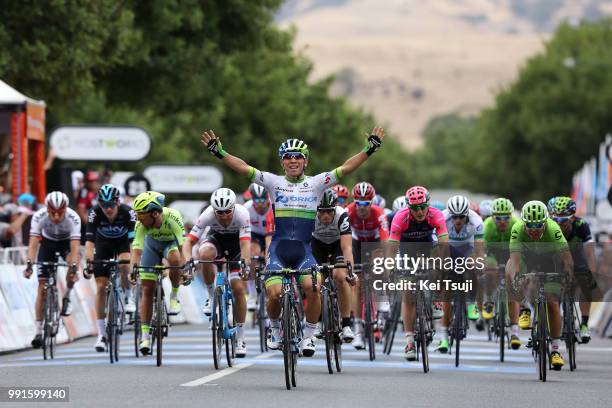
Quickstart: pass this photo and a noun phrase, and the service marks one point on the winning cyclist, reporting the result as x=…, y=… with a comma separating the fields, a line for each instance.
x=110, y=229
x=535, y=243
x=223, y=227
x=295, y=200
x=159, y=233
x=496, y=236
x=331, y=238
x=578, y=235
x=56, y=229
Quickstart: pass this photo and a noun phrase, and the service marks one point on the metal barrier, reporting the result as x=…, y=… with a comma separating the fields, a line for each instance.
x=14, y=255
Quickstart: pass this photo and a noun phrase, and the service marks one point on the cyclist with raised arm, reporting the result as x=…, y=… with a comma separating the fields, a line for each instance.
x=110, y=230
x=331, y=238
x=577, y=232
x=368, y=224
x=158, y=234
x=497, y=229
x=537, y=242
x=295, y=199
x=343, y=195
x=418, y=222
x=259, y=208
x=223, y=227
x=55, y=229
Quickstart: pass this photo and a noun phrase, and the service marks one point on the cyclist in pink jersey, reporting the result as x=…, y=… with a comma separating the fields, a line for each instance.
x=416, y=223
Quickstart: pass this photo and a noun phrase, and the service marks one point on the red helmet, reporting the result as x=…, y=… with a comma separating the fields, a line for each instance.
x=92, y=176
x=417, y=195
x=363, y=191
x=341, y=191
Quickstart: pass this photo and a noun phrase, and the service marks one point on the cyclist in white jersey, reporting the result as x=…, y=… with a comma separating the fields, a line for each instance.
x=258, y=207
x=295, y=198
x=56, y=229
x=223, y=226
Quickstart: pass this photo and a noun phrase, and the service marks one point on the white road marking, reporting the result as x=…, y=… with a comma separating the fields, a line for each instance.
x=223, y=373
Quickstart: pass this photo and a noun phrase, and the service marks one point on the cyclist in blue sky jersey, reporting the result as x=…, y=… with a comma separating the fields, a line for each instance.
x=294, y=199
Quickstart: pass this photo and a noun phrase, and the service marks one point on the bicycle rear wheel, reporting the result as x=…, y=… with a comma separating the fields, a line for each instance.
x=217, y=327
x=261, y=321
x=159, y=329
x=569, y=332
x=391, y=324
x=287, y=313
x=110, y=324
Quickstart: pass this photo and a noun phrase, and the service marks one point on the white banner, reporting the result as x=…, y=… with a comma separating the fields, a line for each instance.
x=189, y=209
x=184, y=179
x=100, y=143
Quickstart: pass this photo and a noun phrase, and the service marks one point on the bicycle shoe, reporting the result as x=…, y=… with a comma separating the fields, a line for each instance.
x=525, y=319
x=556, y=360
x=443, y=346
x=37, y=341
x=66, y=307
x=307, y=347
x=515, y=342
x=145, y=347
x=100, y=345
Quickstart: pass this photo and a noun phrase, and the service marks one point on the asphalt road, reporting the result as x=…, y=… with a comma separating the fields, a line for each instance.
x=188, y=378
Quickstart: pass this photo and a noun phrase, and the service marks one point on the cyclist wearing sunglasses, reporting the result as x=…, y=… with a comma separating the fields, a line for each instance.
x=158, y=234
x=331, y=238
x=223, y=227
x=582, y=246
x=537, y=243
x=465, y=233
x=416, y=223
x=55, y=229
x=295, y=198
x=110, y=230
x=343, y=195
x=258, y=207
x=497, y=230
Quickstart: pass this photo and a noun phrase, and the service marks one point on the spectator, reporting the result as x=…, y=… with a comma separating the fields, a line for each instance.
x=78, y=184
x=11, y=222
x=87, y=195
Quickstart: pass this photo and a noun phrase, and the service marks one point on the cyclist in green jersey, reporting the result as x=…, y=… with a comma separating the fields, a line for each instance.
x=536, y=243
x=159, y=234
x=497, y=229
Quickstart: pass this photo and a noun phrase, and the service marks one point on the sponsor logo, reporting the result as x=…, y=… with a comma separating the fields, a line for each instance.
x=294, y=199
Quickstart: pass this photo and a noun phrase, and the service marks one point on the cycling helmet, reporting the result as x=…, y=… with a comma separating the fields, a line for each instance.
x=379, y=201
x=56, y=200
x=399, y=203
x=341, y=191
x=563, y=206
x=502, y=206
x=417, y=195
x=148, y=201
x=474, y=207
x=550, y=205
x=458, y=205
x=329, y=200
x=258, y=191
x=26, y=199
x=363, y=191
x=293, y=146
x=534, y=211
x=223, y=199
x=485, y=208
x=92, y=175
x=108, y=193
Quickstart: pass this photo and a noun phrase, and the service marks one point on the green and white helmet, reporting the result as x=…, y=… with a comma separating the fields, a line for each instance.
x=293, y=146
x=534, y=211
x=502, y=206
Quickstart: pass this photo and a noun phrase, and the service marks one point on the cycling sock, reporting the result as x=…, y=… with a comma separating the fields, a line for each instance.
x=240, y=331
x=128, y=293
x=346, y=321
x=585, y=320
x=100, y=323
x=145, y=331
x=209, y=288
x=275, y=323
x=444, y=332
x=309, y=329
x=409, y=337
x=39, y=327
x=67, y=294
x=174, y=293
x=555, y=344
x=514, y=330
x=358, y=323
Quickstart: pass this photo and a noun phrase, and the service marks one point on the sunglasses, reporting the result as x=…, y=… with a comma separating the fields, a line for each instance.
x=342, y=200
x=327, y=210
x=534, y=225
x=297, y=156
x=504, y=218
x=562, y=219
x=260, y=200
x=105, y=204
x=56, y=212
x=362, y=203
x=417, y=207
x=223, y=212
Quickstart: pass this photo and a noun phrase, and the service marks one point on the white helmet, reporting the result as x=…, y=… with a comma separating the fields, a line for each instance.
x=379, y=201
x=458, y=205
x=56, y=200
x=399, y=203
x=223, y=199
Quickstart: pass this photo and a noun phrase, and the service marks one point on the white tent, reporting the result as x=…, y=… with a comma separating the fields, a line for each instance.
x=11, y=96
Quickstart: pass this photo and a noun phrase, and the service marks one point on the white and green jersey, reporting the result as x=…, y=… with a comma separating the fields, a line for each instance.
x=295, y=202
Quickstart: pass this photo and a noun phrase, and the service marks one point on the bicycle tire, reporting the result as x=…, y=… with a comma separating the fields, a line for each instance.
x=569, y=332
x=542, y=339
x=287, y=340
x=110, y=323
x=261, y=320
x=136, y=319
x=369, y=329
x=501, y=327
x=458, y=305
x=337, y=325
x=230, y=344
x=392, y=325
x=328, y=331
x=422, y=337
x=160, y=320
x=120, y=317
x=217, y=337
x=47, y=325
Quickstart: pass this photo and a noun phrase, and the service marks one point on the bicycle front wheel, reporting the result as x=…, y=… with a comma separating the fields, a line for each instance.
x=501, y=327
x=261, y=320
x=136, y=318
x=369, y=324
x=110, y=323
x=217, y=327
x=542, y=339
x=159, y=329
x=287, y=315
x=327, y=332
x=230, y=344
